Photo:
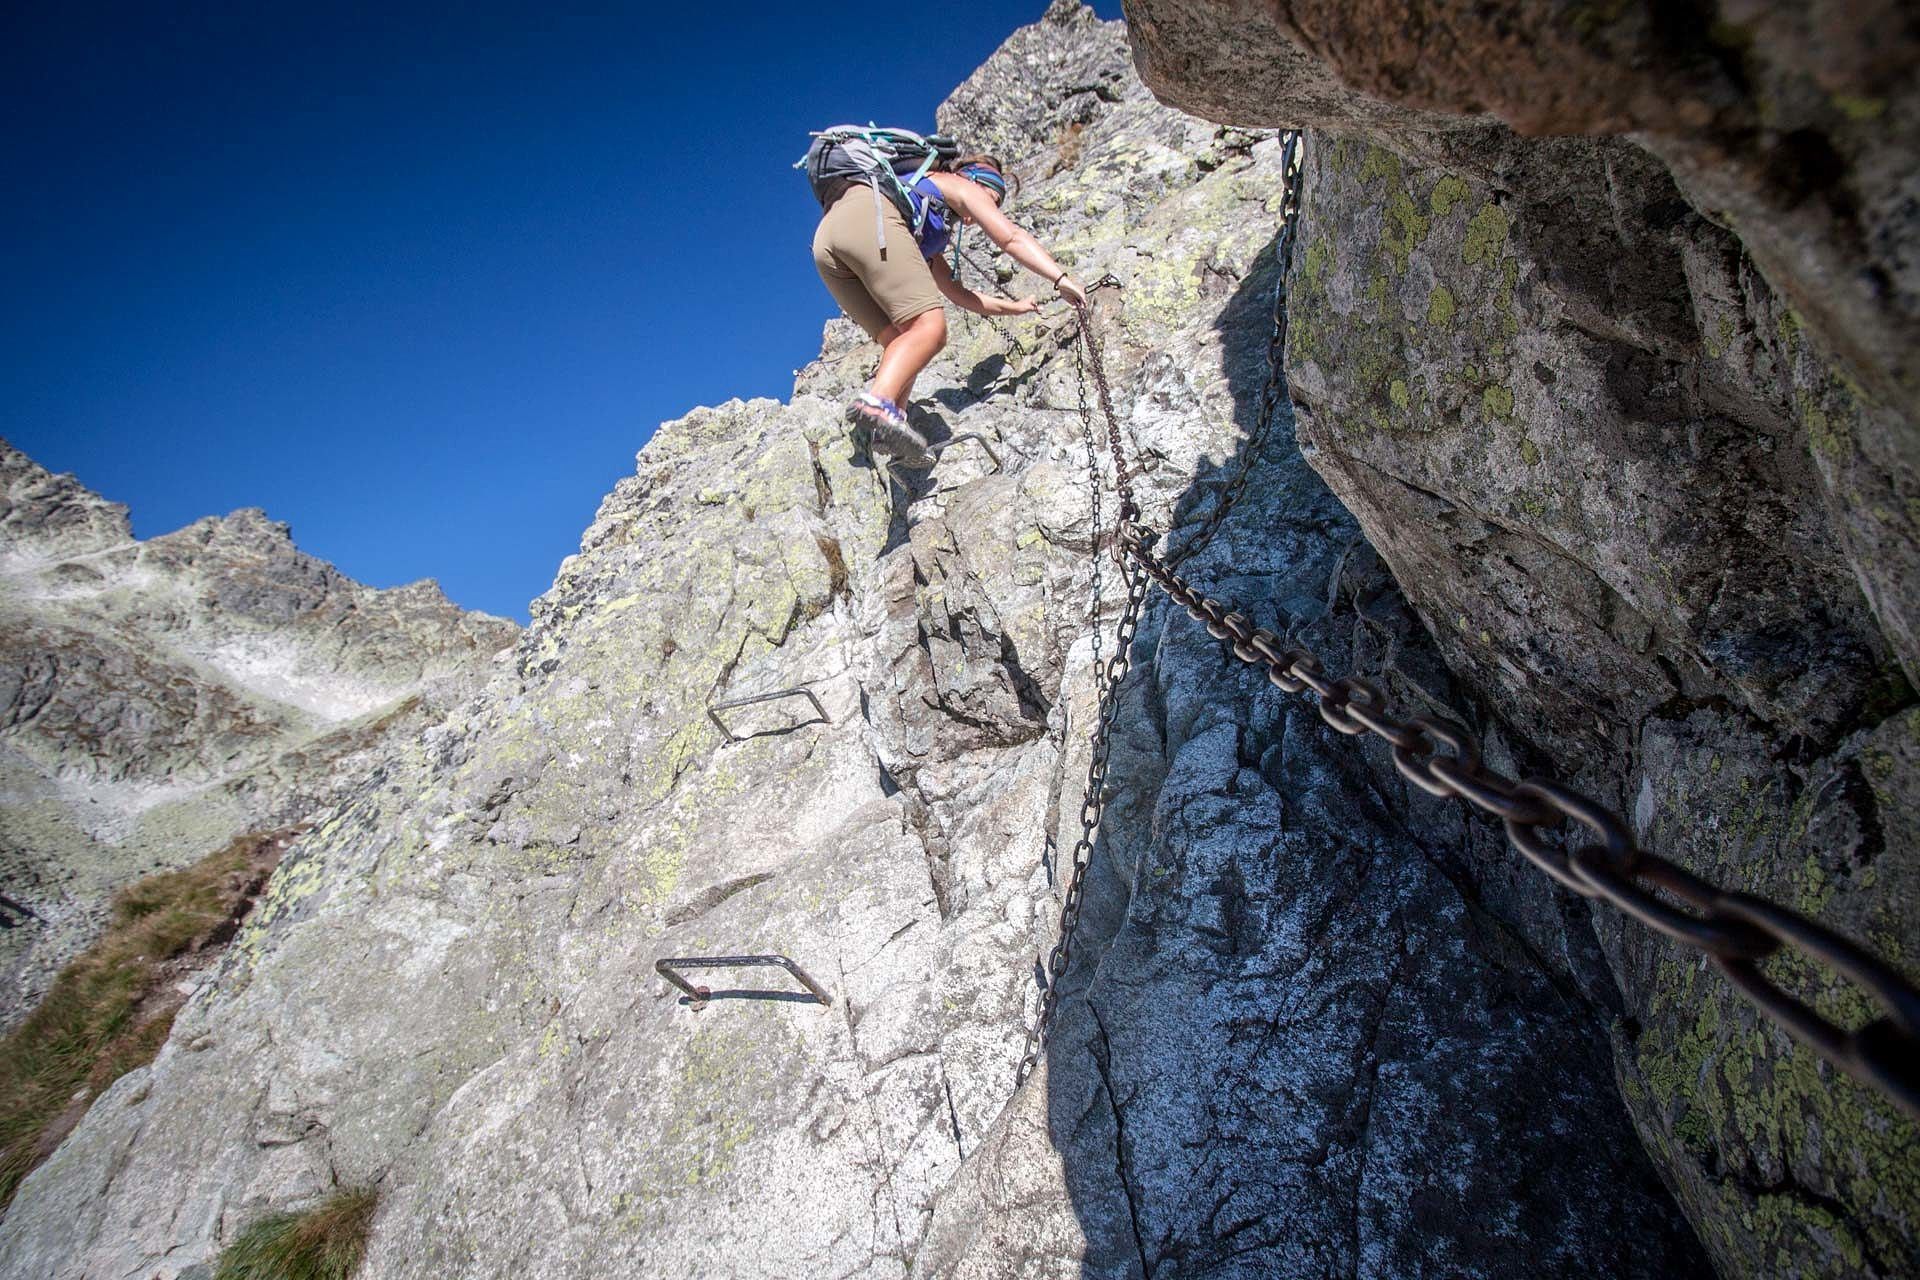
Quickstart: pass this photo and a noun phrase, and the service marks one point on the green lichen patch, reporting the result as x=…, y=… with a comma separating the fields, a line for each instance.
x=1719, y=339
x=1722, y=1082
x=1447, y=193
x=1498, y=402
x=1380, y=164
x=1318, y=260
x=1789, y=327
x=697, y=1141
x=1858, y=108
x=1486, y=235
x=1829, y=433
x=1406, y=228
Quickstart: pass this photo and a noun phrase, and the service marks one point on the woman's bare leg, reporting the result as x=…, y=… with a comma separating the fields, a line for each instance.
x=885, y=336
x=915, y=345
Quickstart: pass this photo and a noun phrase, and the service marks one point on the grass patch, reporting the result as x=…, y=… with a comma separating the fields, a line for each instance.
x=324, y=1243
x=110, y=1010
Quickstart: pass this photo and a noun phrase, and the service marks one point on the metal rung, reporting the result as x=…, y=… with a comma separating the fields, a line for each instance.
x=937, y=450
x=714, y=708
x=9, y=908
x=697, y=997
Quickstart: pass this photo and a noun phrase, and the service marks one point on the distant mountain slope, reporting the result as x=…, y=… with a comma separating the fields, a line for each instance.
x=158, y=698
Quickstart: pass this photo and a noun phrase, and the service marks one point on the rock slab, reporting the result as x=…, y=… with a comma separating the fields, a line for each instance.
x=1299, y=1040
x=1603, y=329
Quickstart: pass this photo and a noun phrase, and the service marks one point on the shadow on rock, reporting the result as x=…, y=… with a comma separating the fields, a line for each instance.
x=1292, y=1041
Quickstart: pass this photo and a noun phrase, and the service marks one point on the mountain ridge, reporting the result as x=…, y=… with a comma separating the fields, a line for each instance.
x=160, y=697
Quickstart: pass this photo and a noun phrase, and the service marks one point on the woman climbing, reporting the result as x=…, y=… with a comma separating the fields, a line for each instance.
x=887, y=274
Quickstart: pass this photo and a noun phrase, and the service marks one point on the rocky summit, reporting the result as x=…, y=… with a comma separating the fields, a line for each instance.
x=1554, y=466
x=159, y=698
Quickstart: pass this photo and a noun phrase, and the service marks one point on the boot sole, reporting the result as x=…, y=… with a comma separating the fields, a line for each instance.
x=903, y=446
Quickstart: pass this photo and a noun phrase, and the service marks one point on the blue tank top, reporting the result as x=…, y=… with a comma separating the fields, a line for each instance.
x=936, y=219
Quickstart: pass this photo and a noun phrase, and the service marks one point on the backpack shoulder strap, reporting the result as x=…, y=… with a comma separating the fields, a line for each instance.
x=909, y=185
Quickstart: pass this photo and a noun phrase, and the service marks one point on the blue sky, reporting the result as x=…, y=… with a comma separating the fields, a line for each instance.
x=420, y=283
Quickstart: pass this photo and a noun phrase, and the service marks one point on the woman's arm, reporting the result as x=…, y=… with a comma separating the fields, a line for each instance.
x=974, y=203
x=978, y=303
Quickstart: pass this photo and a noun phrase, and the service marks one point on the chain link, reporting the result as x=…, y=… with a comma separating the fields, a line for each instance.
x=1093, y=801
x=960, y=255
x=1122, y=474
x=1599, y=859
x=1093, y=493
x=1274, y=393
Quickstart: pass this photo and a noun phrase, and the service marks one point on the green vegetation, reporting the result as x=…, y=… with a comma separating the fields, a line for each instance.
x=1447, y=193
x=324, y=1243
x=1486, y=236
x=1860, y=108
x=1830, y=433
x=110, y=1010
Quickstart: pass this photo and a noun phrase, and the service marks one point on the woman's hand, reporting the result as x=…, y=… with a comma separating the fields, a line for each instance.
x=1011, y=306
x=1070, y=289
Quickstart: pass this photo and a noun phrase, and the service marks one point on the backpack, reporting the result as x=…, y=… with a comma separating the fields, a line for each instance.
x=890, y=161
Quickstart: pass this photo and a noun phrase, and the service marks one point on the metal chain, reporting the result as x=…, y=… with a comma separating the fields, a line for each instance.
x=1274, y=393
x=1087, y=354
x=1735, y=931
x=961, y=254
x=1093, y=493
x=1122, y=474
x=1093, y=800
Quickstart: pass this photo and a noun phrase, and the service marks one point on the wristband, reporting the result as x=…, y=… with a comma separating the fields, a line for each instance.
x=1057, y=279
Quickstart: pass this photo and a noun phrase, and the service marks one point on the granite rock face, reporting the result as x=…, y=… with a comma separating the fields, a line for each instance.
x=45, y=517
x=158, y=698
x=1297, y=1040
x=1631, y=417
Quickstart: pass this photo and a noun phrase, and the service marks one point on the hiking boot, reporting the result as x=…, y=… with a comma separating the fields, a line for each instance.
x=887, y=430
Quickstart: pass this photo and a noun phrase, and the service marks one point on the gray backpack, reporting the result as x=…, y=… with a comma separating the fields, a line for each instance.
x=874, y=157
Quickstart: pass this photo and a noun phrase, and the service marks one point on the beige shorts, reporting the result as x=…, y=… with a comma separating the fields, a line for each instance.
x=875, y=289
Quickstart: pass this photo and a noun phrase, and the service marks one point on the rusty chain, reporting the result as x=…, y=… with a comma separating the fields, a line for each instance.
x=1122, y=473
x=1735, y=931
x=1087, y=355
x=1093, y=496
x=1093, y=800
x=1274, y=392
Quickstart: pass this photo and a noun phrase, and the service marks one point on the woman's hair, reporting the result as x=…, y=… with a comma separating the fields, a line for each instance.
x=981, y=160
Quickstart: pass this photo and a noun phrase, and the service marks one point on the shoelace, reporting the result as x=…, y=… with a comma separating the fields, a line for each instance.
x=887, y=408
